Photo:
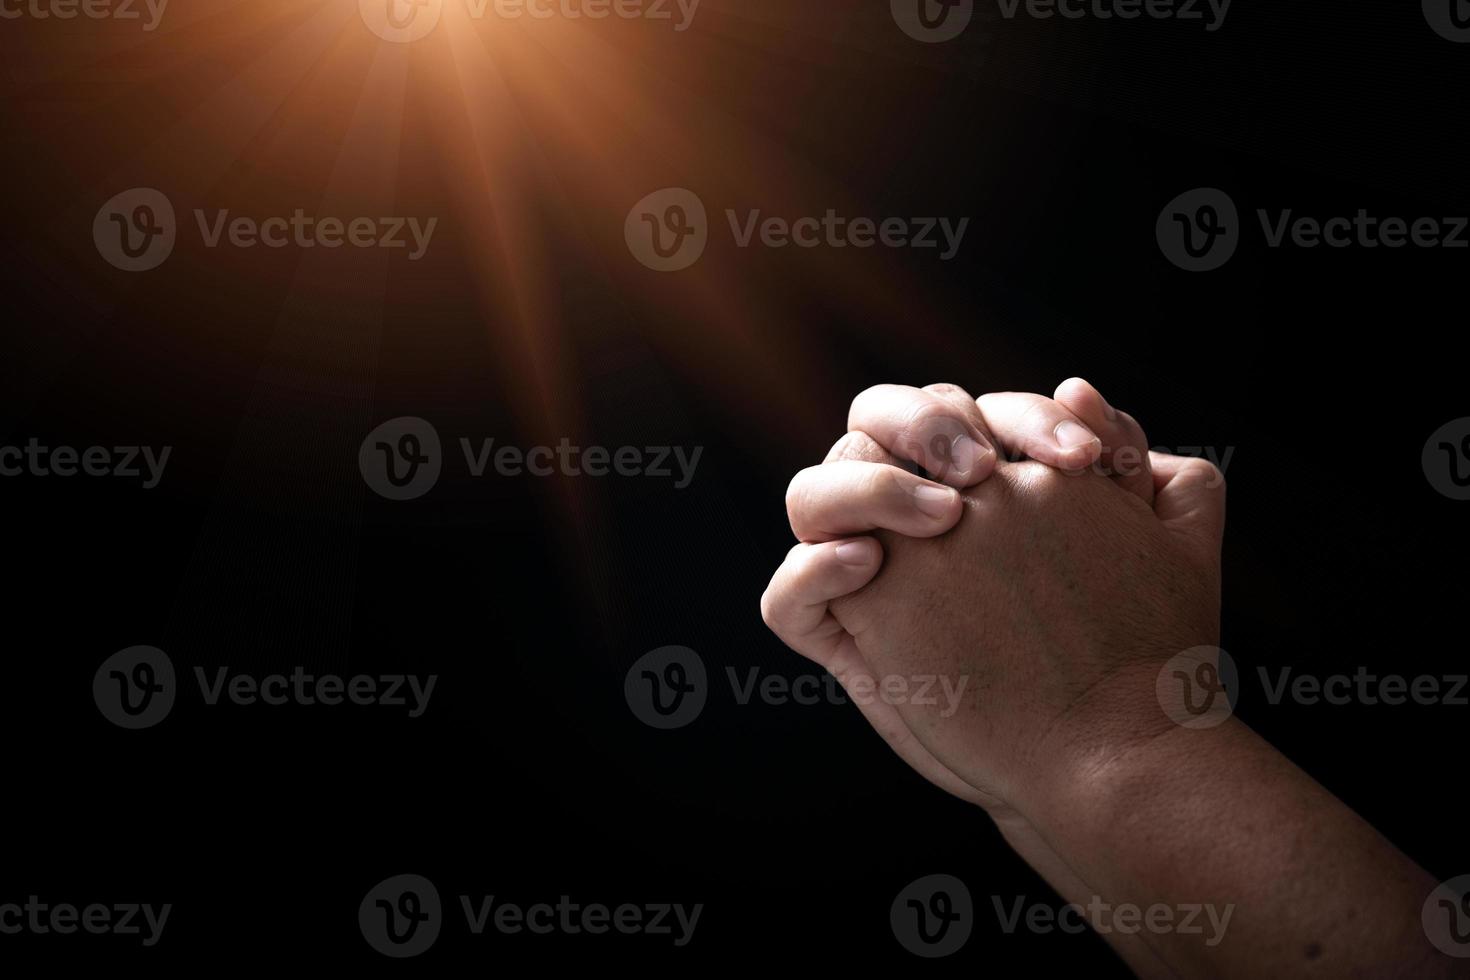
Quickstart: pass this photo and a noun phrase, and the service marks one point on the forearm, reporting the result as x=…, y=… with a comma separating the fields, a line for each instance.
x=1218, y=819
x=1035, y=851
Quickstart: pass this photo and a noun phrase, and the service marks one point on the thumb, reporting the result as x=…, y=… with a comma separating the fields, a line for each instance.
x=1190, y=497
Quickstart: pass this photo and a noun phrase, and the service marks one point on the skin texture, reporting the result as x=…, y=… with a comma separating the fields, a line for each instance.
x=1058, y=597
x=1056, y=589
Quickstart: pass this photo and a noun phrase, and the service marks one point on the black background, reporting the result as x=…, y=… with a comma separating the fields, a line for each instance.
x=1324, y=371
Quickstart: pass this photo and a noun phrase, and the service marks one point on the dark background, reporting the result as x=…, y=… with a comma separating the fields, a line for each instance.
x=529, y=778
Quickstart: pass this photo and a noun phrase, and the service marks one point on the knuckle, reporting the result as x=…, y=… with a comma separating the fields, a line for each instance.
x=800, y=486
x=799, y=495
x=926, y=427
x=868, y=396
x=884, y=486
x=1036, y=419
x=776, y=601
x=783, y=591
x=857, y=445
x=1073, y=387
x=945, y=388
x=1206, y=473
x=768, y=608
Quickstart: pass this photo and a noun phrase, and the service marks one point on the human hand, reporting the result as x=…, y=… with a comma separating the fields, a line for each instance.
x=860, y=488
x=1053, y=601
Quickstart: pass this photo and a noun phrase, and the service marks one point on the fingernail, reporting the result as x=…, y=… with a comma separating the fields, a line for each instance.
x=853, y=553
x=964, y=453
x=1070, y=435
x=936, y=502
